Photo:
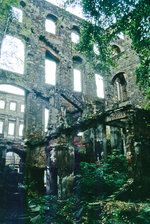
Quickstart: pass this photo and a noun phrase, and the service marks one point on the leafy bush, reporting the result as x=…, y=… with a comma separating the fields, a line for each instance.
x=101, y=180
x=115, y=172
x=119, y=212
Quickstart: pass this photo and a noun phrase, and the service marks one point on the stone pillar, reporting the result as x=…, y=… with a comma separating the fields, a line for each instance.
x=77, y=187
x=130, y=152
x=33, y=114
x=104, y=156
x=51, y=180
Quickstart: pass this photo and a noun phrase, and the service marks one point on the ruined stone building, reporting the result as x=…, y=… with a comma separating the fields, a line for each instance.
x=45, y=88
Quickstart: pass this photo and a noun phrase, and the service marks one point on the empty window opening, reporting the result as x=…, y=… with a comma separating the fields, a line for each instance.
x=121, y=91
x=2, y=104
x=120, y=82
x=50, y=26
x=115, y=50
x=75, y=38
x=11, y=128
x=12, y=106
x=21, y=126
x=1, y=127
x=11, y=89
x=22, y=108
x=12, y=55
x=46, y=118
x=77, y=60
x=77, y=80
x=50, y=72
x=17, y=14
x=99, y=86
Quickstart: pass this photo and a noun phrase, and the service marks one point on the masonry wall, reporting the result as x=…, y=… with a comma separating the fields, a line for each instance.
x=37, y=41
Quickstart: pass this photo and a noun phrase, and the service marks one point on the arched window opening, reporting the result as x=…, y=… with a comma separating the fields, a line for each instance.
x=99, y=85
x=75, y=35
x=77, y=80
x=50, y=24
x=12, y=55
x=120, y=82
x=11, y=89
x=115, y=50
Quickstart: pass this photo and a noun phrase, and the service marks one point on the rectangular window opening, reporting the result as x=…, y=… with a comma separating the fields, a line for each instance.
x=22, y=108
x=21, y=126
x=46, y=118
x=11, y=128
x=99, y=85
x=77, y=80
x=2, y=104
x=75, y=38
x=50, y=72
x=50, y=26
x=12, y=106
x=1, y=127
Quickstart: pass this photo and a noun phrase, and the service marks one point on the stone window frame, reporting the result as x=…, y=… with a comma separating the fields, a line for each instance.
x=98, y=94
x=121, y=86
x=116, y=50
x=54, y=20
x=75, y=30
x=75, y=88
x=77, y=62
x=49, y=56
x=12, y=54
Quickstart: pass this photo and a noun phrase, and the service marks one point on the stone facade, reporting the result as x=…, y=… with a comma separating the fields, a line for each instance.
x=107, y=123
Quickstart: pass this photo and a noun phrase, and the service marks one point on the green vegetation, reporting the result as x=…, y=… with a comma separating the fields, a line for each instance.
x=107, y=19
x=96, y=184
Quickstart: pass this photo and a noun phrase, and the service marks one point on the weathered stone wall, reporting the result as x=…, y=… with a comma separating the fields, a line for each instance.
x=37, y=41
x=7, y=115
x=127, y=61
x=39, y=95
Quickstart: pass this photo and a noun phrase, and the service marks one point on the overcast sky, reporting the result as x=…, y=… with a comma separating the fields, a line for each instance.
x=75, y=10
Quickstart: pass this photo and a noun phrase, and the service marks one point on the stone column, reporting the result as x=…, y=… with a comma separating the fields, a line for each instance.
x=104, y=142
x=51, y=180
x=77, y=171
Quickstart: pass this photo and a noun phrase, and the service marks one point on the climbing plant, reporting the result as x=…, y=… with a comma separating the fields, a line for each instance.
x=105, y=20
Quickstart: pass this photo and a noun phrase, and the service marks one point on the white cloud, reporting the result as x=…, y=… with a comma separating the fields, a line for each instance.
x=74, y=10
